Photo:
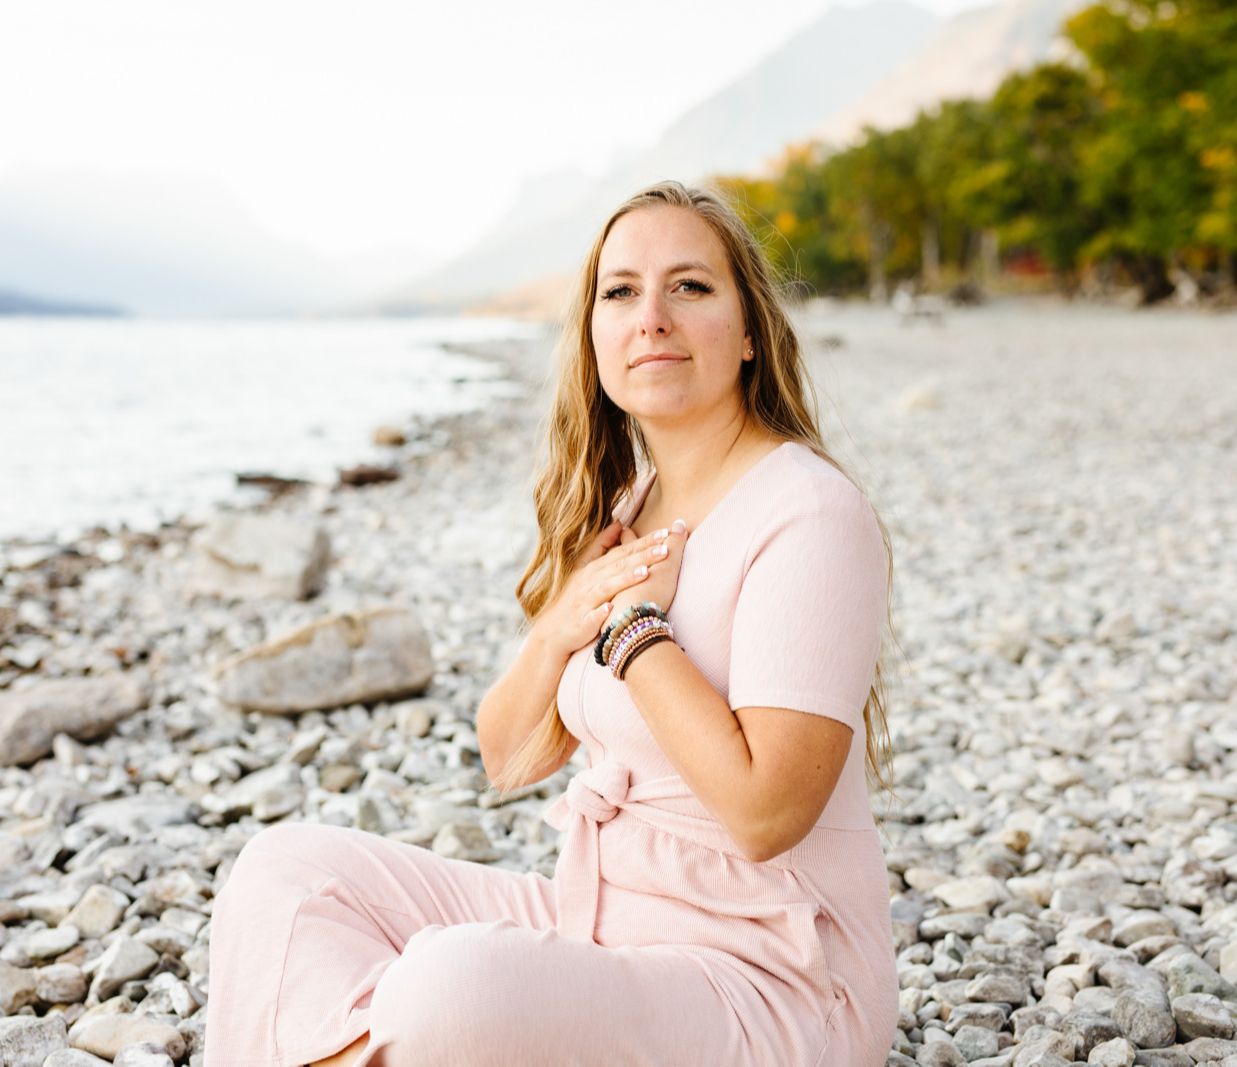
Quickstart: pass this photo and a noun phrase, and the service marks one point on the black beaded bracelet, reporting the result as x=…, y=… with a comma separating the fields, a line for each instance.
x=642, y=610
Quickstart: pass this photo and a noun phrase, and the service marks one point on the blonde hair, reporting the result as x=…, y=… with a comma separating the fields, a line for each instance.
x=592, y=446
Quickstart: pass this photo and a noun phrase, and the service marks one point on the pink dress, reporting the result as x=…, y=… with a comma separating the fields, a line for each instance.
x=657, y=943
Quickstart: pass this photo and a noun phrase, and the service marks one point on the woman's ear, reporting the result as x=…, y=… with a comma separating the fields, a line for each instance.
x=748, y=351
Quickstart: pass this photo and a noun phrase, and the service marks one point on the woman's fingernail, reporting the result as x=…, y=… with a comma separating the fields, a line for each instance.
x=678, y=526
x=641, y=571
x=660, y=535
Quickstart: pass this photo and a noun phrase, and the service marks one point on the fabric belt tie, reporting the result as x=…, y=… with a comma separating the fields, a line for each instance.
x=595, y=796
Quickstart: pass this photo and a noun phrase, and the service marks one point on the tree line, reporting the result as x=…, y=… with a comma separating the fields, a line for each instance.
x=1115, y=165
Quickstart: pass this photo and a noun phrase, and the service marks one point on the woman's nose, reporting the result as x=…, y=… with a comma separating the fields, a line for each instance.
x=654, y=315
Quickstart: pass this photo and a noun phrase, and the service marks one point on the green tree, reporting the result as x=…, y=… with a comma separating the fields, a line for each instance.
x=1043, y=120
x=1158, y=172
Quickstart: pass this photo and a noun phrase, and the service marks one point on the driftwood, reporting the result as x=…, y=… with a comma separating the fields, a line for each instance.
x=365, y=474
x=274, y=482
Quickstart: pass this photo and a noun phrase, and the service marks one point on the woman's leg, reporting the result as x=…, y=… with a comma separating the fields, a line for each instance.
x=496, y=994
x=346, y=1058
x=311, y=917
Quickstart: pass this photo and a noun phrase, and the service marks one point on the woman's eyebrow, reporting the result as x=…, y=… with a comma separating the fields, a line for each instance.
x=678, y=268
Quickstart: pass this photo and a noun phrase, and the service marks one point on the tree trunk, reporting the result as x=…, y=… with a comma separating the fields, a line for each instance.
x=930, y=250
x=989, y=256
x=1151, y=274
x=878, y=251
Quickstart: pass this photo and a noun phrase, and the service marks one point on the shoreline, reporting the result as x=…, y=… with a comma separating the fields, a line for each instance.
x=1063, y=855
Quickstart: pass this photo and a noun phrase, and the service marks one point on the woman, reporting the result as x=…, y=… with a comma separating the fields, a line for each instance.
x=711, y=630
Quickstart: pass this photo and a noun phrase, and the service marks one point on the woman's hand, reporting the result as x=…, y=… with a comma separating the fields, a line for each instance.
x=663, y=580
x=608, y=570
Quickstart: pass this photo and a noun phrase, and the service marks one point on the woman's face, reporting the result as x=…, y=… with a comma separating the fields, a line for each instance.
x=664, y=290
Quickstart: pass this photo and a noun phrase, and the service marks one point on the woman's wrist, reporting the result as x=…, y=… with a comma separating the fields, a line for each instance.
x=634, y=629
x=543, y=648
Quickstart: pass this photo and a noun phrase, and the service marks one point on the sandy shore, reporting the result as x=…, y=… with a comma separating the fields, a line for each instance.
x=1059, y=484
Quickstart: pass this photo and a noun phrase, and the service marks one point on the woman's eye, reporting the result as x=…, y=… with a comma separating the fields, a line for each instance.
x=620, y=292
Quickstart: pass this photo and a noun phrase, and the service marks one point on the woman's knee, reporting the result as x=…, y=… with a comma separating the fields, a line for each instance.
x=460, y=994
x=280, y=853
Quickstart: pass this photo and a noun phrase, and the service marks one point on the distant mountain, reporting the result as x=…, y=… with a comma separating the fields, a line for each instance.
x=828, y=65
x=165, y=247
x=14, y=303
x=968, y=56
x=877, y=64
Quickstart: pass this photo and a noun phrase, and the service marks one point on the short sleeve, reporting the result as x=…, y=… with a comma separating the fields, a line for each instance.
x=811, y=610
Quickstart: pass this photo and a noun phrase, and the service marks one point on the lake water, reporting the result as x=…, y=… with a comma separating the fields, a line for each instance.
x=134, y=422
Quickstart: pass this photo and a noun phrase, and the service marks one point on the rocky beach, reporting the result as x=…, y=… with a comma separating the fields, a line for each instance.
x=1060, y=486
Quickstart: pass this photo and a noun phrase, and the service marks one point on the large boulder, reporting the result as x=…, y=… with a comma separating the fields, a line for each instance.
x=85, y=708
x=350, y=658
x=243, y=555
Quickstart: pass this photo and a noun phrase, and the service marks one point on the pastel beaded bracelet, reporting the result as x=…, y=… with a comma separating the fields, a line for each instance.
x=644, y=609
x=639, y=627
x=645, y=641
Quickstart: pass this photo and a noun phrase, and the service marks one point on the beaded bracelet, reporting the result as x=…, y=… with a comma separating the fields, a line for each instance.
x=621, y=655
x=631, y=655
x=642, y=610
x=635, y=613
x=634, y=640
x=624, y=638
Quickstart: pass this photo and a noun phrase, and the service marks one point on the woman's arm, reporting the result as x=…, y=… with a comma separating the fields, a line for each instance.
x=516, y=703
x=804, y=640
x=766, y=774
x=521, y=698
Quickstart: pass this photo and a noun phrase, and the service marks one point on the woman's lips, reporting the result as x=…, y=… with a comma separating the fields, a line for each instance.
x=657, y=359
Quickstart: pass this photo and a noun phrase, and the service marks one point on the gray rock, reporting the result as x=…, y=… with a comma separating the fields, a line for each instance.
x=1041, y=1053
x=241, y=554
x=1210, y=1049
x=1189, y=973
x=1141, y=924
x=1096, y=999
x=989, y=1016
x=60, y=983
x=982, y=893
x=27, y=1041
x=464, y=841
x=1117, y=1052
x=1167, y=1057
x=998, y=988
x=136, y=818
x=1126, y=974
x=968, y=924
x=18, y=987
x=98, y=911
x=85, y=708
x=145, y=1054
x=349, y=658
x=264, y=789
x=49, y=943
x=106, y=1035
x=1089, y=1029
x=74, y=1057
x=1202, y=1015
x=1145, y=1018
x=976, y=1042
x=124, y=959
x=940, y=1054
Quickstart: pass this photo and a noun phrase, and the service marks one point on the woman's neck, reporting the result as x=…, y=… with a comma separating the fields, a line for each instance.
x=694, y=471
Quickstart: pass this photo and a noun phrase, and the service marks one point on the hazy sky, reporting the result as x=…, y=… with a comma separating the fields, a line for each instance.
x=377, y=123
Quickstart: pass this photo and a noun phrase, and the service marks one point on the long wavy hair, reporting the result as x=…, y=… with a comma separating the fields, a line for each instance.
x=593, y=447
